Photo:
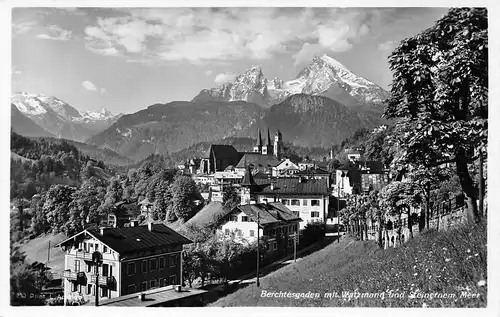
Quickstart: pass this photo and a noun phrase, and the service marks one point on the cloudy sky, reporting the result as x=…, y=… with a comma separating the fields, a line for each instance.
x=126, y=59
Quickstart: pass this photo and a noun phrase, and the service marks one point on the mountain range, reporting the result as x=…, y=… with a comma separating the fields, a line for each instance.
x=324, y=76
x=322, y=106
x=56, y=117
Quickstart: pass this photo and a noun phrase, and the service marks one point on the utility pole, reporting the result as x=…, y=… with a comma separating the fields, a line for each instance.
x=48, y=254
x=338, y=215
x=481, y=183
x=258, y=246
x=295, y=247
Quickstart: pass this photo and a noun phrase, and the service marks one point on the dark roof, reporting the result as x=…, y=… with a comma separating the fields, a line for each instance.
x=268, y=213
x=221, y=151
x=248, y=178
x=292, y=185
x=256, y=159
x=129, y=239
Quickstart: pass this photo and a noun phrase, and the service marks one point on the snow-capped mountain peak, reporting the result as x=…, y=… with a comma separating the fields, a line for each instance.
x=323, y=76
x=60, y=118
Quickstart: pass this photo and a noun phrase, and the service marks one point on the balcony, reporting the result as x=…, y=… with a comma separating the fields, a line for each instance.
x=104, y=281
x=78, y=277
x=84, y=255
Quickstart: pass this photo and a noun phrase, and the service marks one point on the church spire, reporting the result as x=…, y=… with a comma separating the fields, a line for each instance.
x=268, y=138
x=259, y=139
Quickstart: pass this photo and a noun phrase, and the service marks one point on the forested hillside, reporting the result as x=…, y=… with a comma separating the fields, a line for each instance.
x=38, y=164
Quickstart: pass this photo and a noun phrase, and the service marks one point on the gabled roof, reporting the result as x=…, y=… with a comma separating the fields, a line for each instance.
x=145, y=201
x=221, y=151
x=256, y=159
x=294, y=185
x=130, y=239
x=248, y=178
x=270, y=213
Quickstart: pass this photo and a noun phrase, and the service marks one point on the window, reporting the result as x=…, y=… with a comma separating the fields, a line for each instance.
x=85, y=247
x=227, y=232
x=105, y=269
x=238, y=232
x=233, y=218
x=267, y=246
x=144, y=266
x=77, y=266
x=104, y=292
x=285, y=202
x=162, y=282
x=173, y=260
x=131, y=268
x=153, y=264
x=314, y=202
x=131, y=289
x=285, y=230
x=279, y=230
x=144, y=286
x=104, y=249
x=252, y=233
x=304, y=202
x=172, y=280
x=314, y=214
x=89, y=267
x=275, y=246
x=96, y=246
x=152, y=284
x=74, y=287
x=89, y=289
x=162, y=262
x=295, y=202
x=273, y=232
x=93, y=290
x=244, y=218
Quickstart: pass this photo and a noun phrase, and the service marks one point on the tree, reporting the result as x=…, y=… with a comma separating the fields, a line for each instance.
x=183, y=194
x=440, y=95
x=397, y=198
x=56, y=206
x=230, y=198
x=85, y=204
x=427, y=179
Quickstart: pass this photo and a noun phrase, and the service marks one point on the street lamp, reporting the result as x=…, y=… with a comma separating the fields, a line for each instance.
x=97, y=261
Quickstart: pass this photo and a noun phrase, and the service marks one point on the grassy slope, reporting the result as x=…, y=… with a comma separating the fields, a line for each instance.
x=444, y=262
x=36, y=250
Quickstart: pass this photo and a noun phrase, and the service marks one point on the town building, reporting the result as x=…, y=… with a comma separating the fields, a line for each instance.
x=309, y=197
x=277, y=225
x=135, y=258
x=286, y=168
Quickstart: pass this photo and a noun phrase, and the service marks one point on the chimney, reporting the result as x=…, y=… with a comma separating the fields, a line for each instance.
x=103, y=230
x=150, y=226
x=272, y=185
x=142, y=297
x=134, y=223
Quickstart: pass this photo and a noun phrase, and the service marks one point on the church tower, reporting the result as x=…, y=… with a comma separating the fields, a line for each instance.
x=248, y=187
x=268, y=149
x=258, y=146
x=278, y=145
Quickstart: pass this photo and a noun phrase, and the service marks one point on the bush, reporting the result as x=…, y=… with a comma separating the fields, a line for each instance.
x=314, y=231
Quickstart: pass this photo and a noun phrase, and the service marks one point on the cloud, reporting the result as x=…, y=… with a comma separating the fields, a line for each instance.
x=56, y=33
x=22, y=27
x=224, y=78
x=217, y=35
x=89, y=85
x=208, y=72
x=306, y=52
x=388, y=45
